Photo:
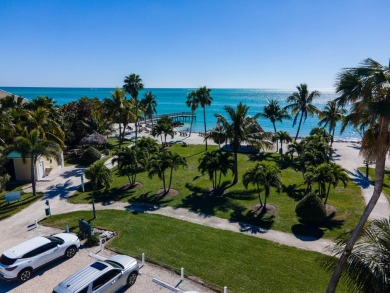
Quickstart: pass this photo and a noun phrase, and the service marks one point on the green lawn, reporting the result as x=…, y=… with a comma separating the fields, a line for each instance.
x=221, y=258
x=236, y=202
x=7, y=210
x=386, y=183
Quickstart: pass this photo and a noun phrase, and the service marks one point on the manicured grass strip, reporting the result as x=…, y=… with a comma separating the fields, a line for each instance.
x=8, y=210
x=243, y=263
x=236, y=203
x=386, y=183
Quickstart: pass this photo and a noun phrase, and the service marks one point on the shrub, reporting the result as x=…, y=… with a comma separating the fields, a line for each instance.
x=311, y=209
x=91, y=155
x=92, y=240
x=106, y=152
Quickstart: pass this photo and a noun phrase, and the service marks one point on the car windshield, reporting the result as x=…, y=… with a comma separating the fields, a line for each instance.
x=6, y=260
x=115, y=264
x=56, y=240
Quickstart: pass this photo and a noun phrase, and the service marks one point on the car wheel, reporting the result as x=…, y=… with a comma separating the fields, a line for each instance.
x=131, y=279
x=24, y=275
x=70, y=251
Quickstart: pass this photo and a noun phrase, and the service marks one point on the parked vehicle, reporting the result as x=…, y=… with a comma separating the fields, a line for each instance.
x=103, y=276
x=21, y=260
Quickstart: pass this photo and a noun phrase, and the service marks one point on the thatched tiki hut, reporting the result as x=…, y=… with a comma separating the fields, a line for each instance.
x=94, y=138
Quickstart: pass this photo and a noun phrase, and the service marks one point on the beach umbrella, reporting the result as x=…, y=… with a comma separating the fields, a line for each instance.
x=93, y=138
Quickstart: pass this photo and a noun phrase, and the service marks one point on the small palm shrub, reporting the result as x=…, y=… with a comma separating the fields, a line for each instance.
x=311, y=209
x=92, y=240
x=91, y=155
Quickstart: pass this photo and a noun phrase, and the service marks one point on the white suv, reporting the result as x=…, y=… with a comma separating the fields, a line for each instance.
x=21, y=260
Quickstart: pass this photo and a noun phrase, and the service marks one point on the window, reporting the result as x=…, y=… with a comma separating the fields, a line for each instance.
x=102, y=280
x=6, y=260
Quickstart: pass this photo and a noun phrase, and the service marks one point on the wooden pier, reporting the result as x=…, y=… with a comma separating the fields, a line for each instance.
x=179, y=116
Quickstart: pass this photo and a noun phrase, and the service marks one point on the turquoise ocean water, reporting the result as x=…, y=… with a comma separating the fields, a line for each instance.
x=173, y=100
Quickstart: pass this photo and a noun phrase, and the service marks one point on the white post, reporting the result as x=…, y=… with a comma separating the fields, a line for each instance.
x=143, y=259
x=225, y=289
x=67, y=228
x=36, y=223
x=182, y=274
x=101, y=244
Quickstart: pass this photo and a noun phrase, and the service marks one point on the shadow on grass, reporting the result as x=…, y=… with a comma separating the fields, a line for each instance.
x=313, y=232
x=261, y=156
x=241, y=194
x=252, y=222
x=294, y=191
x=150, y=198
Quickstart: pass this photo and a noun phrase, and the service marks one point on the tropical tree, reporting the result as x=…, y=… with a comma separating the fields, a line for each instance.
x=164, y=127
x=132, y=85
x=165, y=161
x=301, y=103
x=274, y=112
x=193, y=103
x=283, y=136
x=149, y=104
x=265, y=176
x=129, y=162
x=367, y=88
x=367, y=267
x=216, y=163
x=338, y=175
x=240, y=127
x=32, y=146
x=321, y=175
x=96, y=122
x=204, y=98
x=115, y=109
x=99, y=176
x=331, y=114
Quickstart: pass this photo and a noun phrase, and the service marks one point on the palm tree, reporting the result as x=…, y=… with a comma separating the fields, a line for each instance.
x=330, y=116
x=367, y=266
x=265, y=176
x=149, y=104
x=367, y=87
x=164, y=126
x=216, y=163
x=32, y=146
x=114, y=107
x=99, y=176
x=321, y=175
x=301, y=102
x=283, y=136
x=338, y=174
x=240, y=127
x=204, y=98
x=96, y=122
x=274, y=113
x=193, y=103
x=129, y=162
x=133, y=84
x=163, y=161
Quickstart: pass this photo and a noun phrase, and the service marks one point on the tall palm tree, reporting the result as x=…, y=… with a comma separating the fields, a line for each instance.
x=193, y=103
x=283, y=136
x=338, y=175
x=114, y=107
x=132, y=85
x=265, y=176
x=301, y=103
x=216, y=163
x=164, y=127
x=240, y=127
x=367, y=268
x=204, y=98
x=99, y=176
x=367, y=87
x=149, y=104
x=331, y=114
x=129, y=162
x=163, y=161
x=274, y=113
x=32, y=146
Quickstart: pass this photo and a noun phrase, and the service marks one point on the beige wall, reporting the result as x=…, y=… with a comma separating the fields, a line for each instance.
x=23, y=171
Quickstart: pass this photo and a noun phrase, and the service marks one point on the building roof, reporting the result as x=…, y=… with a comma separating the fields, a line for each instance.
x=14, y=155
x=93, y=138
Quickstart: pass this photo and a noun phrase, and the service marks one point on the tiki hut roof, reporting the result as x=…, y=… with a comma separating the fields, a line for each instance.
x=93, y=138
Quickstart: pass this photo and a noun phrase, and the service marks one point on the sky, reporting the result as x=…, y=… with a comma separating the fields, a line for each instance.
x=189, y=43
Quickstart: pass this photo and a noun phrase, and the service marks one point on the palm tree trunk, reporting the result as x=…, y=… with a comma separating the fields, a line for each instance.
x=379, y=176
x=204, y=117
x=281, y=146
x=235, y=180
x=93, y=202
x=33, y=182
x=192, y=120
x=332, y=137
x=277, y=141
x=327, y=195
x=163, y=179
x=136, y=118
x=299, y=126
x=170, y=180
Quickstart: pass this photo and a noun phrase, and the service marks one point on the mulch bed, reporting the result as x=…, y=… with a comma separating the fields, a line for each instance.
x=172, y=192
x=129, y=186
x=257, y=209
